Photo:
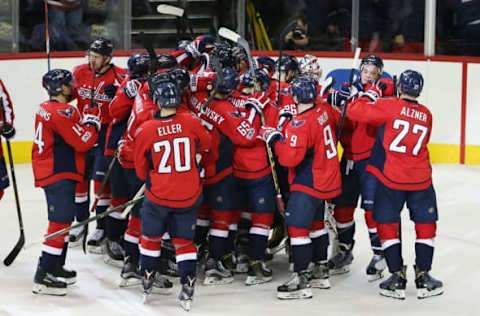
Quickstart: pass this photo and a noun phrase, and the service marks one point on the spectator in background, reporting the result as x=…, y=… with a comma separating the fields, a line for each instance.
x=304, y=37
x=67, y=15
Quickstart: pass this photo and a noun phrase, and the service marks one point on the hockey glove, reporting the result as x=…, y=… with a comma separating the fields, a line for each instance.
x=132, y=87
x=110, y=91
x=269, y=135
x=338, y=98
x=8, y=131
x=286, y=114
x=256, y=104
x=93, y=120
x=374, y=91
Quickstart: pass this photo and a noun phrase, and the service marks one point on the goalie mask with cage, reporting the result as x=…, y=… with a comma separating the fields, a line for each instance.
x=138, y=65
x=411, y=83
x=224, y=53
x=230, y=81
x=303, y=90
x=311, y=66
x=262, y=79
x=102, y=46
x=166, y=95
x=53, y=81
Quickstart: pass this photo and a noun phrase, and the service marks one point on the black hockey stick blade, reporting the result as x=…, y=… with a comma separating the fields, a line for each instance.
x=151, y=52
x=16, y=250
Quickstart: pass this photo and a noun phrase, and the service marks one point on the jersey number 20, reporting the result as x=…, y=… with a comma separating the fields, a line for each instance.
x=165, y=146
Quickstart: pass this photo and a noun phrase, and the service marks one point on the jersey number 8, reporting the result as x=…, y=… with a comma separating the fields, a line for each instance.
x=165, y=146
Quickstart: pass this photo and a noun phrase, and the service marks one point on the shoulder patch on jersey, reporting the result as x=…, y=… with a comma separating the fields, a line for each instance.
x=66, y=113
x=299, y=123
x=235, y=114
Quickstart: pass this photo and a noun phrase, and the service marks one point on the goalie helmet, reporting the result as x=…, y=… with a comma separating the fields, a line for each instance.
x=166, y=95
x=411, y=83
x=310, y=66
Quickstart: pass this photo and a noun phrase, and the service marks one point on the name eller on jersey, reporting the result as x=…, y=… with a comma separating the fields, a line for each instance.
x=169, y=129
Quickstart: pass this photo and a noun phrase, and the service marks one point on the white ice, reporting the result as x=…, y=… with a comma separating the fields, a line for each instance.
x=456, y=263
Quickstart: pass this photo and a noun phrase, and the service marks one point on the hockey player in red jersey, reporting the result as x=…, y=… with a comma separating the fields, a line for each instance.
x=308, y=149
x=253, y=174
x=400, y=161
x=357, y=141
x=106, y=78
x=165, y=151
x=62, y=137
x=7, y=130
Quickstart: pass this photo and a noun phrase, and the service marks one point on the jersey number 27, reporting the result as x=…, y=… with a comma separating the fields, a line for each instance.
x=404, y=127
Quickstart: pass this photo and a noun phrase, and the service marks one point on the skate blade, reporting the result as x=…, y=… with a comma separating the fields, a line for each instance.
x=144, y=298
x=210, y=280
x=320, y=283
x=96, y=250
x=397, y=294
x=341, y=270
x=300, y=294
x=186, y=304
x=75, y=244
x=129, y=282
x=112, y=262
x=374, y=277
x=424, y=293
x=277, y=248
x=254, y=280
x=45, y=290
x=69, y=281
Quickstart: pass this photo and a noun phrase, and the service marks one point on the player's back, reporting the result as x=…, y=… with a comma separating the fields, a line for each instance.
x=400, y=152
x=168, y=146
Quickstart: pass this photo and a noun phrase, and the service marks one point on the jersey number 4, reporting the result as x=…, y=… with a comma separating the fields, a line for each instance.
x=404, y=127
x=38, y=137
x=180, y=145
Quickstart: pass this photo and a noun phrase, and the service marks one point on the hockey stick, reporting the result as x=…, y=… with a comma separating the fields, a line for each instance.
x=21, y=240
x=178, y=12
x=234, y=37
x=218, y=80
x=280, y=54
x=129, y=208
x=47, y=34
x=85, y=222
x=350, y=81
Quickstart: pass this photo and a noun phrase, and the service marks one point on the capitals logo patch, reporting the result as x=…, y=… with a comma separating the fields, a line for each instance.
x=66, y=113
x=296, y=123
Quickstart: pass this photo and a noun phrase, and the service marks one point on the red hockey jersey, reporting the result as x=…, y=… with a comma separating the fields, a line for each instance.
x=310, y=153
x=6, y=103
x=83, y=75
x=400, y=157
x=358, y=137
x=165, y=157
x=60, y=143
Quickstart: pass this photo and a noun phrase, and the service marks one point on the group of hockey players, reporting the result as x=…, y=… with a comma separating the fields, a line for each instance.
x=215, y=153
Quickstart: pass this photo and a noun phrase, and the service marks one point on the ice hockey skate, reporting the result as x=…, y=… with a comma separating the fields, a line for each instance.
x=47, y=284
x=113, y=253
x=130, y=275
x=76, y=236
x=242, y=264
x=426, y=285
x=295, y=288
x=376, y=267
x=155, y=283
x=395, y=285
x=340, y=263
x=319, y=276
x=186, y=293
x=64, y=275
x=258, y=273
x=95, y=241
x=216, y=273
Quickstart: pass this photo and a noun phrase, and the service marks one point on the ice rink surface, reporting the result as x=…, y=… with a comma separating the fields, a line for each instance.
x=456, y=263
